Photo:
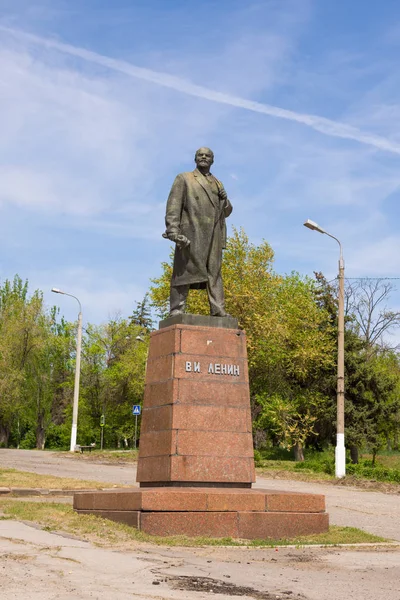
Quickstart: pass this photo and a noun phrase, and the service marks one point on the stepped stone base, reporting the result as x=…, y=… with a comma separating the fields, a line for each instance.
x=196, y=459
x=236, y=513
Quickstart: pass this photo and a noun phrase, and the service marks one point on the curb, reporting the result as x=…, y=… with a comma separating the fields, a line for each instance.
x=5, y=491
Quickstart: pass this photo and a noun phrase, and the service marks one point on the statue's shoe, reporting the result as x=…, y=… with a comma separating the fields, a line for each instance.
x=176, y=312
x=222, y=313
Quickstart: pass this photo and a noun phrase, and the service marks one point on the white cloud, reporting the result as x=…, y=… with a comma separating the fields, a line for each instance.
x=321, y=124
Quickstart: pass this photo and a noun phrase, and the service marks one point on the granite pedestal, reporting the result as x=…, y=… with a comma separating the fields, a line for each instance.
x=196, y=464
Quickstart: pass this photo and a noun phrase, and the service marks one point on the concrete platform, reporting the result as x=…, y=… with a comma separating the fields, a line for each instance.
x=236, y=513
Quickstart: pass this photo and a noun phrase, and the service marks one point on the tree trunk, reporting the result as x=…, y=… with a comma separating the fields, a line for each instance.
x=40, y=432
x=4, y=435
x=354, y=454
x=298, y=452
x=40, y=438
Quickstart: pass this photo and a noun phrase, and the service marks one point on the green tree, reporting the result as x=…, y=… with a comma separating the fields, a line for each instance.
x=371, y=377
x=113, y=369
x=141, y=316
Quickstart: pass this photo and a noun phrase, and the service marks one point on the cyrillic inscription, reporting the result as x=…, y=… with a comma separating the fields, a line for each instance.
x=213, y=368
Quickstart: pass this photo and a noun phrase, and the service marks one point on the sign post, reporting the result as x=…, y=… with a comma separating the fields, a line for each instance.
x=136, y=411
x=102, y=423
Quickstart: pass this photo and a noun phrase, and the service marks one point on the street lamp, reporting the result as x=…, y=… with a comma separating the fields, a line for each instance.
x=340, y=451
x=77, y=371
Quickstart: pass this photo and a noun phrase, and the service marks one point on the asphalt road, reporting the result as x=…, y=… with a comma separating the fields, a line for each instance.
x=374, y=512
x=39, y=565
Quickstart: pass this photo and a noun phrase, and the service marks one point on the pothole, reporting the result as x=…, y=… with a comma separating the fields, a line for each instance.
x=216, y=586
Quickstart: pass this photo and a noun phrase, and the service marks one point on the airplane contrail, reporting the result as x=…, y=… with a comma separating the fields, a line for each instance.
x=321, y=124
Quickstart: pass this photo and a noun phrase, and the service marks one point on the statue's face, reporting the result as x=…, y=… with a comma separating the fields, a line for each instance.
x=204, y=158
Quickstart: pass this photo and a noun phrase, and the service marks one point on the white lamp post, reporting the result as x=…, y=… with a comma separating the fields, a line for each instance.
x=77, y=371
x=340, y=451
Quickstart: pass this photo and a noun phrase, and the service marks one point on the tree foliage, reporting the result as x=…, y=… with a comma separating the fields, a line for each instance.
x=291, y=327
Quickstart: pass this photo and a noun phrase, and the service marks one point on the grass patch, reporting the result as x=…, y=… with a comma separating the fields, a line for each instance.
x=391, y=460
x=320, y=466
x=102, y=532
x=23, y=479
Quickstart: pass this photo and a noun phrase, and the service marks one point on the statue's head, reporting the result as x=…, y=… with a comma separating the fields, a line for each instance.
x=204, y=158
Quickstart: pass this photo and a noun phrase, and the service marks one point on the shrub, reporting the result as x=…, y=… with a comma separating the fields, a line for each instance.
x=58, y=436
x=258, y=459
x=365, y=470
x=324, y=465
x=28, y=441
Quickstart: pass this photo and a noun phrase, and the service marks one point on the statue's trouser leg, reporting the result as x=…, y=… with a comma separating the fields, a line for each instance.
x=215, y=287
x=216, y=295
x=177, y=298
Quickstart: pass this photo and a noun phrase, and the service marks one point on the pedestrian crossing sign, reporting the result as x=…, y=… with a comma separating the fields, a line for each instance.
x=136, y=409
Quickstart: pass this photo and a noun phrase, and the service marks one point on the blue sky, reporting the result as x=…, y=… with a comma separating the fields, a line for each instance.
x=103, y=103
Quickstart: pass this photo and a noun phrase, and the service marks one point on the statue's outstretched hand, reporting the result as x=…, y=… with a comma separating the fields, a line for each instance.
x=182, y=241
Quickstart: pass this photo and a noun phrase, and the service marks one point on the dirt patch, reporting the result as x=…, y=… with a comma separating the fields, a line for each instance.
x=303, y=558
x=104, y=458
x=369, y=485
x=217, y=586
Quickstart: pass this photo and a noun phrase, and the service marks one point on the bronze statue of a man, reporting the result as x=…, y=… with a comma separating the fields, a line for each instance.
x=195, y=220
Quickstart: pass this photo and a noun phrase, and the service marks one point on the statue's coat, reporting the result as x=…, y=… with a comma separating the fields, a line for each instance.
x=195, y=210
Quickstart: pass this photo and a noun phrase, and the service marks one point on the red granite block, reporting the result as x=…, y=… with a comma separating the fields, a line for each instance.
x=208, y=443
x=190, y=523
x=122, y=499
x=173, y=398
x=158, y=443
x=83, y=500
x=217, y=365
x=170, y=499
x=220, y=393
x=160, y=369
x=214, y=342
x=211, y=468
x=156, y=419
x=131, y=518
x=164, y=342
x=294, y=502
x=249, y=422
x=235, y=500
x=154, y=468
x=262, y=525
x=210, y=418
x=159, y=394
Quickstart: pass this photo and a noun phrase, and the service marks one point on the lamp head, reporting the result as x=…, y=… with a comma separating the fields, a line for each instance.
x=314, y=226
x=56, y=291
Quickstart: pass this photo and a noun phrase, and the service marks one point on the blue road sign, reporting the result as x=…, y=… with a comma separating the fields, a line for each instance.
x=136, y=409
